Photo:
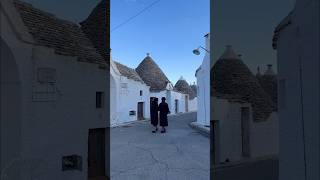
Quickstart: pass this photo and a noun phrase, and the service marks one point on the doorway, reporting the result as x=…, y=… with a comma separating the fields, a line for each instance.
x=140, y=111
x=96, y=154
x=214, y=144
x=245, y=131
x=176, y=106
x=186, y=103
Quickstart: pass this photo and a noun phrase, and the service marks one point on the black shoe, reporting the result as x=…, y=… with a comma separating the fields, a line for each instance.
x=154, y=131
x=163, y=131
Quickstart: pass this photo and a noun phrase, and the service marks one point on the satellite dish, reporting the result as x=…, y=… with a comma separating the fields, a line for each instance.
x=196, y=51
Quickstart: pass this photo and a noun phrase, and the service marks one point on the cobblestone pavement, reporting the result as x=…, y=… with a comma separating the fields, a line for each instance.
x=180, y=154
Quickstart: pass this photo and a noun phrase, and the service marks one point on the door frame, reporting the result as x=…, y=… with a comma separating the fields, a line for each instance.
x=103, y=174
x=245, y=131
x=176, y=106
x=142, y=111
x=186, y=103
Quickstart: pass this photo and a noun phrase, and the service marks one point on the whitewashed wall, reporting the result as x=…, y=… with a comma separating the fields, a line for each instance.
x=181, y=101
x=203, y=92
x=264, y=139
x=171, y=96
x=129, y=98
x=263, y=135
x=299, y=40
x=193, y=103
x=228, y=115
x=50, y=130
x=124, y=100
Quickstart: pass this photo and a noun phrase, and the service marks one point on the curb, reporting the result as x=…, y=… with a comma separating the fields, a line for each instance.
x=201, y=128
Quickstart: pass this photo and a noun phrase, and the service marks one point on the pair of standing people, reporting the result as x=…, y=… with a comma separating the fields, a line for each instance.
x=163, y=108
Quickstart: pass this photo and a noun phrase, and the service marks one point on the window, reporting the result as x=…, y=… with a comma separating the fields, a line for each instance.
x=132, y=113
x=141, y=92
x=124, y=85
x=99, y=99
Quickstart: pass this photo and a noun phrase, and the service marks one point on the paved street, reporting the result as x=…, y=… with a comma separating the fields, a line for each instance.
x=180, y=154
x=259, y=169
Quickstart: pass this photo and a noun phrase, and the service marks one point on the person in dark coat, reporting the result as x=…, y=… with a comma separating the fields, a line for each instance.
x=164, y=111
x=154, y=114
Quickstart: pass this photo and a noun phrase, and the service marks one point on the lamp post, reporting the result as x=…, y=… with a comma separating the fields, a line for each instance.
x=197, y=51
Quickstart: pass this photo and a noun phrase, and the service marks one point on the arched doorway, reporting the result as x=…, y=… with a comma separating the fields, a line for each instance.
x=10, y=111
x=113, y=100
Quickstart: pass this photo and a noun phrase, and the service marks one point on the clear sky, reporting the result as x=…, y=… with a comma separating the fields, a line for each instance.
x=72, y=10
x=248, y=26
x=169, y=31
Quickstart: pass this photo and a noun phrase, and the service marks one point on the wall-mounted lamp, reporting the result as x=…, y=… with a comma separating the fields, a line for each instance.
x=197, y=51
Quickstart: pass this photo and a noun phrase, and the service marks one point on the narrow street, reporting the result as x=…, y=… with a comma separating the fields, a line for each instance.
x=260, y=169
x=180, y=154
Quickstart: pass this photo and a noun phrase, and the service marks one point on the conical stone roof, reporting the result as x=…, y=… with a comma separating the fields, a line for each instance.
x=152, y=75
x=230, y=76
x=194, y=88
x=268, y=81
x=97, y=28
x=128, y=72
x=183, y=86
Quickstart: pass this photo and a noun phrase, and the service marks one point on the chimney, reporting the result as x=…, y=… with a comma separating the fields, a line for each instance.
x=229, y=53
x=269, y=70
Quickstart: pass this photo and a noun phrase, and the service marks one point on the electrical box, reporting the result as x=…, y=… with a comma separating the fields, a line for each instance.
x=72, y=162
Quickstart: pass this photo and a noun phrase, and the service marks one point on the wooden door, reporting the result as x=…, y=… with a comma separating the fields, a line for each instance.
x=245, y=131
x=186, y=103
x=214, y=142
x=96, y=154
x=176, y=106
x=140, y=111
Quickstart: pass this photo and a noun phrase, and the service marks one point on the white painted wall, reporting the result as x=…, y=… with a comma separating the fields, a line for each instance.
x=171, y=96
x=203, y=83
x=50, y=130
x=193, y=103
x=181, y=101
x=299, y=40
x=263, y=135
x=124, y=100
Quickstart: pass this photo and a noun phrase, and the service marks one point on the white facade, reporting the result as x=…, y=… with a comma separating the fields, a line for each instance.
x=193, y=103
x=203, y=91
x=229, y=135
x=176, y=100
x=298, y=71
x=125, y=96
x=41, y=122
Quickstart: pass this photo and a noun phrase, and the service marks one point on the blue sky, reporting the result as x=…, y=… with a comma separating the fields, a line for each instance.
x=169, y=31
x=248, y=26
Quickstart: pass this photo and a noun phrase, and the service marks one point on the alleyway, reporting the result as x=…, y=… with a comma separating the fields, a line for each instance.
x=181, y=153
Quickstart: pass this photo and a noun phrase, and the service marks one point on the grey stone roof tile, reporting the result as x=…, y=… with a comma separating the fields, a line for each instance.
x=152, y=75
x=65, y=37
x=128, y=72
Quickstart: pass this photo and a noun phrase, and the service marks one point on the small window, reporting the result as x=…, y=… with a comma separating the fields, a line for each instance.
x=124, y=85
x=141, y=92
x=99, y=99
x=132, y=113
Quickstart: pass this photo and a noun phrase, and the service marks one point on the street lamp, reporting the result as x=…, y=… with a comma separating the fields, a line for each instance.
x=197, y=51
